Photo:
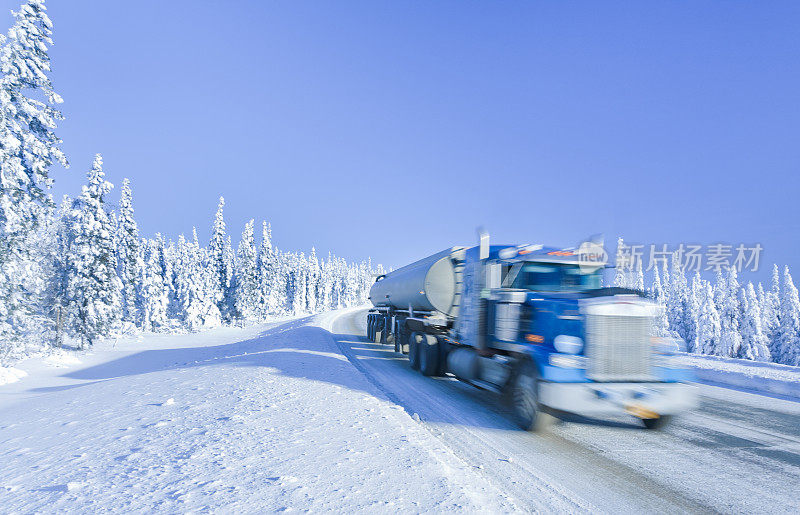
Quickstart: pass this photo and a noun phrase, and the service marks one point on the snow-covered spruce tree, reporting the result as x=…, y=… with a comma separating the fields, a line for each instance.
x=769, y=317
x=189, y=285
x=693, y=308
x=221, y=262
x=677, y=298
x=351, y=285
x=247, y=283
x=94, y=290
x=708, y=330
x=300, y=271
x=56, y=293
x=28, y=147
x=772, y=323
x=621, y=273
x=166, y=256
x=326, y=284
x=211, y=294
x=661, y=323
x=271, y=297
x=754, y=342
x=128, y=260
x=789, y=332
x=154, y=292
x=730, y=312
x=639, y=284
x=312, y=282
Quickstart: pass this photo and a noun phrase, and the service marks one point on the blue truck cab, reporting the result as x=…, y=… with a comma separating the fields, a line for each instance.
x=535, y=324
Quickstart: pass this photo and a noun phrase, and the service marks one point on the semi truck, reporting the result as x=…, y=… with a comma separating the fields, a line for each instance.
x=534, y=324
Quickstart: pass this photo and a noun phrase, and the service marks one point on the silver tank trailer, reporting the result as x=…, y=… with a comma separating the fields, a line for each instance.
x=425, y=285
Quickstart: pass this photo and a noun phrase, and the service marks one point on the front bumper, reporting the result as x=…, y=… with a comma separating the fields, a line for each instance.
x=643, y=400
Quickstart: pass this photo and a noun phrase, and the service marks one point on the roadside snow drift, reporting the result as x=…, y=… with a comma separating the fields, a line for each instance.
x=257, y=420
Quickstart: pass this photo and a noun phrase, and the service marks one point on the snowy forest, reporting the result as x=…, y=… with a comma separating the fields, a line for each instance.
x=723, y=318
x=78, y=270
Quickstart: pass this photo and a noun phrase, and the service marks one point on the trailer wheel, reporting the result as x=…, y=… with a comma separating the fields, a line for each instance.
x=656, y=423
x=525, y=398
x=414, y=344
x=429, y=355
x=370, y=327
x=399, y=336
x=378, y=330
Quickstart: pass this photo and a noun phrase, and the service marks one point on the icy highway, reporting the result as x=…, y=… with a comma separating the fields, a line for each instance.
x=739, y=452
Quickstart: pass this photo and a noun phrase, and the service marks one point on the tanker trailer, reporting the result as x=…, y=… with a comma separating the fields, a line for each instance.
x=421, y=297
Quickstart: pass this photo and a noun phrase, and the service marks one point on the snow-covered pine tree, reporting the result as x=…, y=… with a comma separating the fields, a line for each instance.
x=772, y=324
x=154, y=292
x=789, y=332
x=621, y=274
x=189, y=285
x=312, y=281
x=165, y=254
x=769, y=318
x=210, y=293
x=300, y=271
x=708, y=330
x=639, y=284
x=56, y=293
x=350, y=285
x=221, y=262
x=28, y=147
x=730, y=312
x=94, y=289
x=267, y=272
x=247, y=282
x=661, y=323
x=128, y=263
x=326, y=286
x=677, y=298
x=754, y=342
x=693, y=308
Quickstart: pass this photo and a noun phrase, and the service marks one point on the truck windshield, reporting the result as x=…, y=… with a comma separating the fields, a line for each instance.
x=547, y=277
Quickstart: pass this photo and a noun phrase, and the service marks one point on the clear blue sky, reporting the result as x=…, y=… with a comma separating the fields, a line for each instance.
x=393, y=129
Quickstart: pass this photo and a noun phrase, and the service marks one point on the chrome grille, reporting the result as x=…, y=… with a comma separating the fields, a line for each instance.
x=618, y=348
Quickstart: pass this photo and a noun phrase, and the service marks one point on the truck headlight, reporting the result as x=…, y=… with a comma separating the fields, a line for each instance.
x=567, y=361
x=568, y=344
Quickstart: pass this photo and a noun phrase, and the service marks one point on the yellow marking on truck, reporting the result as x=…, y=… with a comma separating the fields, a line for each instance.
x=640, y=411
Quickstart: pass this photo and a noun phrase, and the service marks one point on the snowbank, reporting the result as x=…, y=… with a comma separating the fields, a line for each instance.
x=11, y=375
x=740, y=373
x=255, y=420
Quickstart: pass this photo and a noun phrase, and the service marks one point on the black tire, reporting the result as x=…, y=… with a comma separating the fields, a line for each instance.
x=399, y=336
x=370, y=327
x=429, y=355
x=654, y=424
x=414, y=343
x=525, y=400
x=377, y=329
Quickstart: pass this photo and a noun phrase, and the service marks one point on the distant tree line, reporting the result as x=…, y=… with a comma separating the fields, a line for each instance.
x=724, y=317
x=80, y=270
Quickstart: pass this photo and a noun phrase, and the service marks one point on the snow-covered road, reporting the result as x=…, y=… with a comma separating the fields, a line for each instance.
x=738, y=453
x=307, y=415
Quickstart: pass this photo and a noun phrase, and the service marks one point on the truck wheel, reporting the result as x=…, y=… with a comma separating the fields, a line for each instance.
x=525, y=399
x=429, y=355
x=656, y=423
x=414, y=343
x=370, y=327
x=377, y=329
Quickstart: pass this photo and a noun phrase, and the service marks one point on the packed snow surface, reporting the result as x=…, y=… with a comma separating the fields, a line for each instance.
x=255, y=420
x=307, y=415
